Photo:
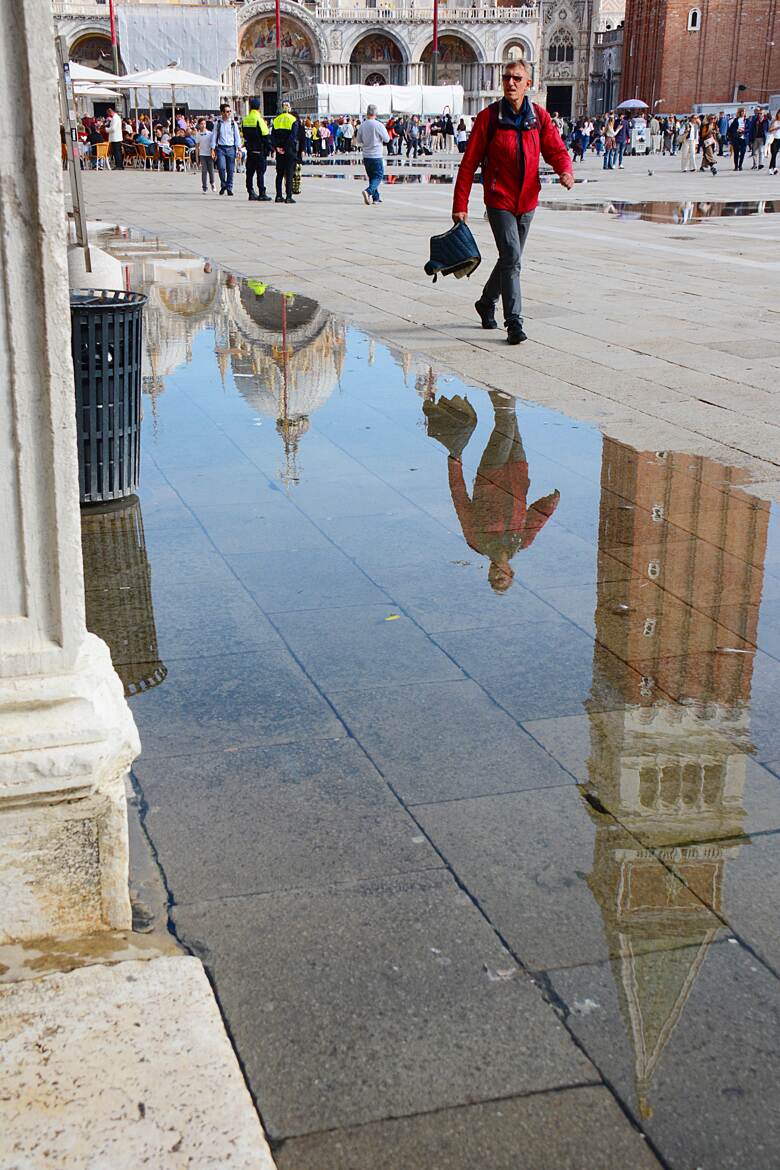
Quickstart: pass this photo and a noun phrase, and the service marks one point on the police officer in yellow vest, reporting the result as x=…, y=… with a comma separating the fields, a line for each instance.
x=286, y=138
x=257, y=139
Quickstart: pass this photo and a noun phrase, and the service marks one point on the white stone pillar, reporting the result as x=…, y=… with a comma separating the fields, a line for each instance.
x=66, y=733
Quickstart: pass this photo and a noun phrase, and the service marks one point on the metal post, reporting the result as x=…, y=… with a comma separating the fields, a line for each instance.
x=278, y=58
x=114, y=46
x=435, y=47
x=68, y=115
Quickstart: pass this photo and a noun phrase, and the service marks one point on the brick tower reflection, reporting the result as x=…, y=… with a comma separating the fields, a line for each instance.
x=680, y=559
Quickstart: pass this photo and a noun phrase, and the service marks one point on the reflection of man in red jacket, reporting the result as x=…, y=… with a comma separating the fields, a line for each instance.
x=506, y=141
x=496, y=521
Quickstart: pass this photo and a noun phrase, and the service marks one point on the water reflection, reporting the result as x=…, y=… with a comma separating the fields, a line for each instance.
x=668, y=210
x=496, y=520
x=118, y=592
x=672, y=771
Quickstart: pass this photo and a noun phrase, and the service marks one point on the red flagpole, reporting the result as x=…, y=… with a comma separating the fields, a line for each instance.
x=435, y=47
x=278, y=57
x=114, y=48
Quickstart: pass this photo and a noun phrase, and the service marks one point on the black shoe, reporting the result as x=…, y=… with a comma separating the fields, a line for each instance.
x=265, y=198
x=279, y=199
x=222, y=190
x=515, y=333
x=251, y=197
x=487, y=315
x=230, y=192
x=289, y=199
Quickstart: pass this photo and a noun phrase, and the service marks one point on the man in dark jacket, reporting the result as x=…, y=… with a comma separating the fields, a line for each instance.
x=257, y=140
x=286, y=138
x=507, y=140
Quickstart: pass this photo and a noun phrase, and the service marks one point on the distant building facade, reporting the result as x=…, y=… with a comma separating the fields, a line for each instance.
x=678, y=54
x=365, y=43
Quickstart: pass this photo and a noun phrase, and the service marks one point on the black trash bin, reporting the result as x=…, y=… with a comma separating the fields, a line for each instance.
x=106, y=334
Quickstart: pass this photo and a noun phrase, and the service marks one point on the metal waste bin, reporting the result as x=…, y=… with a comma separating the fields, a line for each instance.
x=106, y=333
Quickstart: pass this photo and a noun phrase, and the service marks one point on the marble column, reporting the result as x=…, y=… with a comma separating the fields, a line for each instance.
x=67, y=737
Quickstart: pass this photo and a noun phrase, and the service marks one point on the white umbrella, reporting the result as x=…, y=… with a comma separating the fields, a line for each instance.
x=169, y=77
x=96, y=92
x=94, y=76
x=633, y=104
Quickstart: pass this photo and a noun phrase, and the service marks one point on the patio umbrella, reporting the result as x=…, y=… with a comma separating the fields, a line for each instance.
x=633, y=104
x=171, y=78
x=93, y=76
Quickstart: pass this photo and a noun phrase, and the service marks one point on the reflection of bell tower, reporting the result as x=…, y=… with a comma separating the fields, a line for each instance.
x=118, y=592
x=671, y=769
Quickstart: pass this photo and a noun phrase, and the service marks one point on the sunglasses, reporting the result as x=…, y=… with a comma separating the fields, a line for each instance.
x=508, y=78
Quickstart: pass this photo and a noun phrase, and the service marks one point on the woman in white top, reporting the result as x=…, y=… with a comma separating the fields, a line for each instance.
x=461, y=136
x=773, y=142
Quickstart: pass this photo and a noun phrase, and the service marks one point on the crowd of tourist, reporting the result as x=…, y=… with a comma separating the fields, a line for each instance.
x=700, y=140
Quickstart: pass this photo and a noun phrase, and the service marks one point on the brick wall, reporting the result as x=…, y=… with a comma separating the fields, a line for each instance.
x=664, y=60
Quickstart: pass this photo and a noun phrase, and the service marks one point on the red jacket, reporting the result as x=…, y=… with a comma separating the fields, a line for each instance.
x=501, y=177
x=497, y=519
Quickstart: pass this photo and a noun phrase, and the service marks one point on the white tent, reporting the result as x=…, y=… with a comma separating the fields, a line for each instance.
x=388, y=99
x=168, y=78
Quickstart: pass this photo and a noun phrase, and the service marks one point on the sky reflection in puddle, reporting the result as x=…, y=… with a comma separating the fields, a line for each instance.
x=669, y=210
x=303, y=483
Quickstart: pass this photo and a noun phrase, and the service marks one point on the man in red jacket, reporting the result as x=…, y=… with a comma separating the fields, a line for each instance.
x=506, y=142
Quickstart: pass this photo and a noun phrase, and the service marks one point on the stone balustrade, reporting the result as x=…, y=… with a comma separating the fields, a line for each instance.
x=412, y=14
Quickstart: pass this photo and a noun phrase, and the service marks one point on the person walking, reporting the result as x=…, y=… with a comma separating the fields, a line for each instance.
x=286, y=138
x=758, y=126
x=257, y=140
x=622, y=139
x=413, y=137
x=372, y=138
x=586, y=136
x=205, y=155
x=461, y=136
x=773, y=142
x=226, y=143
x=347, y=134
x=610, y=146
x=723, y=133
x=709, y=144
x=449, y=133
x=690, y=145
x=738, y=138
x=115, y=136
x=655, y=135
x=507, y=140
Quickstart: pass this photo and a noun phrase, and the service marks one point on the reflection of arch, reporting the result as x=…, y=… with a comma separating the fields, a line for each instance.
x=561, y=46
x=374, y=49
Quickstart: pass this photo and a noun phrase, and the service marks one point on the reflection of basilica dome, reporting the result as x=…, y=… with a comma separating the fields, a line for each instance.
x=287, y=354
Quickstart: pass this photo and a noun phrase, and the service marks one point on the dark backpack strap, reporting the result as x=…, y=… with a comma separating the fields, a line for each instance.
x=492, y=126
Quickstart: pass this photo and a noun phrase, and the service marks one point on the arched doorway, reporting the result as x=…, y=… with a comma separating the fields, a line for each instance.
x=299, y=56
x=93, y=50
x=264, y=87
x=377, y=57
x=458, y=63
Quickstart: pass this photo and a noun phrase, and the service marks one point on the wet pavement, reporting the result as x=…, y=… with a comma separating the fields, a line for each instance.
x=671, y=210
x=460, y=749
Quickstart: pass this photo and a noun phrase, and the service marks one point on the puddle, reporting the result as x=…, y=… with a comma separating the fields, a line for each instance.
x=669, y=211
x=325, y=523
x=433, y=177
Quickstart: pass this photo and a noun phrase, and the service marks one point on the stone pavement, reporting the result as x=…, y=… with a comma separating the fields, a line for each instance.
x=480, y=876
x=662, y=334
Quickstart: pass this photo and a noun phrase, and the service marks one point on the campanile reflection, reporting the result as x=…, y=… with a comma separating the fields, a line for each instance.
x=672, y=770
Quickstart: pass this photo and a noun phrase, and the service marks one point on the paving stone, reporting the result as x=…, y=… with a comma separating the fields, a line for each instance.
x=267, y=819
x=443, y=741
x=376, y=999
x=309, y=579
x=273, y=526
x=357, y=646
x=685, y=1038
x=559, y=880
x=563, y=1130
x=239, y=700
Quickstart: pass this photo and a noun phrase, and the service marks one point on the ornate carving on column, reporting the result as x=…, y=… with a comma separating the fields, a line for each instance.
x=66, y=732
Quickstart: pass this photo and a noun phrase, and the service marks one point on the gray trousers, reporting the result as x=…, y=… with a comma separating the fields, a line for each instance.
x=206, y=170
x=510, y=233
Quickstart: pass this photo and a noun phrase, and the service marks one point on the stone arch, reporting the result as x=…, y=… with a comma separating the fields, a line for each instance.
x=263, y=78
x=376, y=57
x=92, y=46
x=461, y=61
x=258, y=9
x=363, y=34
x=502, y=52
x=425, y=44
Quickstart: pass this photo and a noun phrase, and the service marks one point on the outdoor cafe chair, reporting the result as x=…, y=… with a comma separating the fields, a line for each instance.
x=101, y=157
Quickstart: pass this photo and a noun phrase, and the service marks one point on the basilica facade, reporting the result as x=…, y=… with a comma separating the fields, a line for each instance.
x=371, y=43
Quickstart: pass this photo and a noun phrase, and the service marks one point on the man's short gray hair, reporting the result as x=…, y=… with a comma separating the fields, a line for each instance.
x=370, y=110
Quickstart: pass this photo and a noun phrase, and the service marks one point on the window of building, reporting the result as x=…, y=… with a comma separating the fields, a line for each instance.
x=694, y=20
x=561, y=46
